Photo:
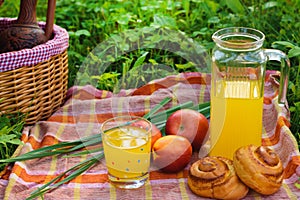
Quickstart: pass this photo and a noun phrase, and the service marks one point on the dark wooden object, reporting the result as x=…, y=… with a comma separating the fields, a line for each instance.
x=26, y=33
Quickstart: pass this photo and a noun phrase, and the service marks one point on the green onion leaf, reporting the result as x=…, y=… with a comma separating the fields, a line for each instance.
x=157, y=107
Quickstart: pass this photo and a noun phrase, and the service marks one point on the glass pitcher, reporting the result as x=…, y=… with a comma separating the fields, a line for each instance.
x=237, y=88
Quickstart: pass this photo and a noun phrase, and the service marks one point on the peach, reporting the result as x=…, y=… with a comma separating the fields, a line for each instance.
x=172, y=153
x=189, y=124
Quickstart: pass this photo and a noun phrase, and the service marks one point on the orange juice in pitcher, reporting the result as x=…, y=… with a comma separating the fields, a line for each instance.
x=237, y=88
x=228, y=133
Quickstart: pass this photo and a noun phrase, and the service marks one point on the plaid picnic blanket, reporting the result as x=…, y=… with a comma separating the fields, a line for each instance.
x=86, y=108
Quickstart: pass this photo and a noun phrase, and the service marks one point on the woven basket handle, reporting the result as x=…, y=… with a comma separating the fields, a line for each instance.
x=50, y=18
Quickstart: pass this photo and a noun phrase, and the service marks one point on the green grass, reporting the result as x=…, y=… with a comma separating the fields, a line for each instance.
x=10, y=134
x=92, y=22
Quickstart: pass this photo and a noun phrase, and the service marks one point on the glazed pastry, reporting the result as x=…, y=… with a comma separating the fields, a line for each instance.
x=259, y=167
x=214, y=177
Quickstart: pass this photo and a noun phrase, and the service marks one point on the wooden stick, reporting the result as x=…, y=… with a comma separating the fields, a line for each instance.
x=50, y=18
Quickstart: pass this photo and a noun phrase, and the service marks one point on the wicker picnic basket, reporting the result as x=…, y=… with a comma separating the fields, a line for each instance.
x=34, y=81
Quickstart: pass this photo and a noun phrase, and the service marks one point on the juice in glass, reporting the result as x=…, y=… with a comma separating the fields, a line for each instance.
x=236, y=116
x=127, y=153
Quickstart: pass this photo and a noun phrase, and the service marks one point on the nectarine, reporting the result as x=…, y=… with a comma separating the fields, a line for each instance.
x=189, y=124
x=172, y=153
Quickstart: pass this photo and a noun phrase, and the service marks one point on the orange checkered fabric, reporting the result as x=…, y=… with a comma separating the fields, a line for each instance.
x=86, y=108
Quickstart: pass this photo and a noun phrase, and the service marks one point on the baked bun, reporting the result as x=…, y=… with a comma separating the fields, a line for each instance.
x=214, y=177
x=259, y=167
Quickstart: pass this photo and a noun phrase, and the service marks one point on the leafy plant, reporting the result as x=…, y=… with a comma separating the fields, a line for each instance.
x=10, y=134
x=107, y=81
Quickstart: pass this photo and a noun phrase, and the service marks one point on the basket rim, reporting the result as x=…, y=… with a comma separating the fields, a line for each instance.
x=40, y=53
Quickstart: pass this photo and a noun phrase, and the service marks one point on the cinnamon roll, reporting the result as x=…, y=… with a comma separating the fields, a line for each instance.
x=214, y=177
x=259, y=168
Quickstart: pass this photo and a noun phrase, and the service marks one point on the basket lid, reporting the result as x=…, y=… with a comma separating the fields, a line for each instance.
x=40, y=53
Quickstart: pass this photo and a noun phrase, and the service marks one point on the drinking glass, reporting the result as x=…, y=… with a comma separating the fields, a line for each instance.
x=127, y=149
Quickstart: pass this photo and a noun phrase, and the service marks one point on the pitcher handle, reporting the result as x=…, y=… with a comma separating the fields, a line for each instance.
x=277, y=55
